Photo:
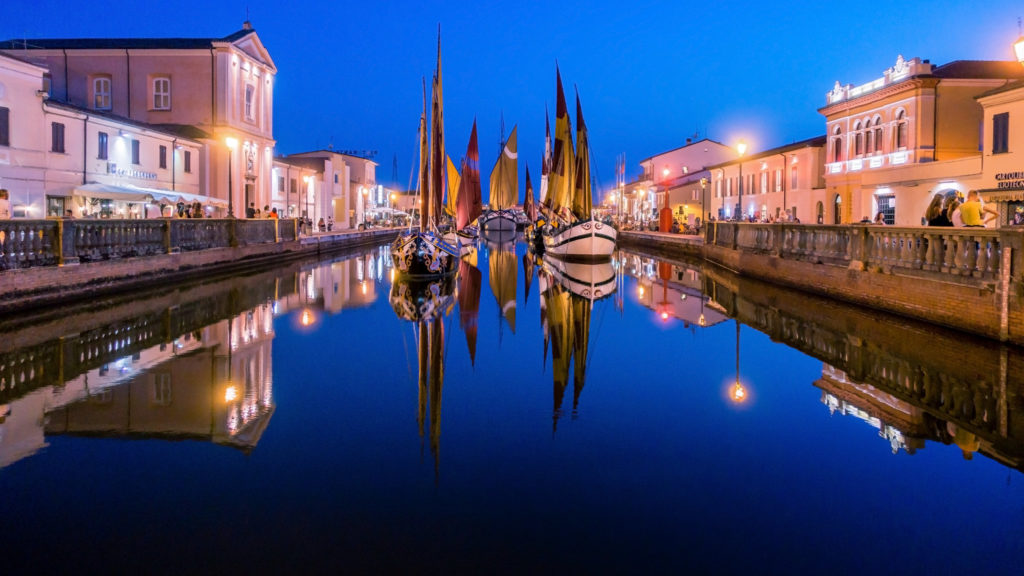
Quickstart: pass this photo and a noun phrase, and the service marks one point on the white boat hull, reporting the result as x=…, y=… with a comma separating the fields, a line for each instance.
x=586, y=240
x=499, y=220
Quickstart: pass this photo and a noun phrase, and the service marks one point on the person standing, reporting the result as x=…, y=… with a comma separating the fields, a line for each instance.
x=973, y=212
x=250, y=210
x=936, y=214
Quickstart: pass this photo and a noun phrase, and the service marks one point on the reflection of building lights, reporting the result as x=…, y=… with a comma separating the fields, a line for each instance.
x=640, y=290
x=307, y=318
x=363, y=284
x=231, y=394
x=738, y=393
x=702, y=321
x=664, y=316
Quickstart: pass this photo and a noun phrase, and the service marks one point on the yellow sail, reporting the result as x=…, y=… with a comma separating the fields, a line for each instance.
x=505, y=176
x=453, y=187
x=563, y=159
x=581, y=197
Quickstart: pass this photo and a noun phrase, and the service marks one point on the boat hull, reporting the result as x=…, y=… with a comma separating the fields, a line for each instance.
x=589, y=240
x=423, y=255
x=591, y=280
x=498, y=220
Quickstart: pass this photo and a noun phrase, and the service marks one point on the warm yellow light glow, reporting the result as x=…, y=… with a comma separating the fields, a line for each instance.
x=741, y=147
x=231, y=143
x=363, y=287
x=641, y=291
x=664, y=316
x=392, y=275
x=702, y=321
x=306, y=179
x=307, y=318
x=393, y=197
x=230, y=394
x=1018, y=49
x=738, y=393
x=665, y=172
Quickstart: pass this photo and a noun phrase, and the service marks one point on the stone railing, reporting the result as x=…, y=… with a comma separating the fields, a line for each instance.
x=29, y=243
x=966, y=252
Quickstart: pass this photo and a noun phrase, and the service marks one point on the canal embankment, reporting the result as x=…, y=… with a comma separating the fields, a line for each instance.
x=54, y=263
x=968, y=279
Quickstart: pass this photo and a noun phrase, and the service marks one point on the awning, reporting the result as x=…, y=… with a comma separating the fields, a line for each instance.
x=141, y=194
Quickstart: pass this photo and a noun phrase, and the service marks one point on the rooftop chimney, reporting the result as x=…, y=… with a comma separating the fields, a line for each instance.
x=246, y=25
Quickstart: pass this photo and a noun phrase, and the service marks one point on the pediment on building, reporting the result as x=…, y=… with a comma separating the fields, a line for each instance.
x=253, y=47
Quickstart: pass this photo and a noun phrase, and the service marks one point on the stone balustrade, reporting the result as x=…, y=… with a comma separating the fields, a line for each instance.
x=960, y=252
x=31, y=243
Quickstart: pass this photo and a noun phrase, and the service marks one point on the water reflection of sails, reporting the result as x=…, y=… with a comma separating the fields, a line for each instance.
x=502, y=268
x=426, y=304
x=569, y=291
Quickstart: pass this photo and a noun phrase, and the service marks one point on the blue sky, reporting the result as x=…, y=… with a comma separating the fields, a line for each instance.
x=649, y=73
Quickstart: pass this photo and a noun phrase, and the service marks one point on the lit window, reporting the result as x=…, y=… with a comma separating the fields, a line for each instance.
x=161, y=93
x=101, y=93
x=250, y=94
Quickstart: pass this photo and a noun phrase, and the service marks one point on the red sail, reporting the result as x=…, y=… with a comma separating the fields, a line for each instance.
x=529, y=205
x=469, y=203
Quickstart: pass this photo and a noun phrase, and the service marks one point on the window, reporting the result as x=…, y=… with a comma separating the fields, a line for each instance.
x=57, y=137
x=878, y=134
x=5, y=126
x=887, y=206
x=101, y=146
x=161, y=93
x=335, y=178
x=901, y=129
x=837, y=145
x=188, y=161
x=728, y=187
x=162, y=390
x=858, y=144
x=764, y=182
x=135, y=152
x=718, y=189
x=250, y=93
x=293, y=183
x=163, y=156
x=868, y=142
x=280, y=183
x=1000, y=133
x=793, y=178
x=101, y=93
x=778, y=179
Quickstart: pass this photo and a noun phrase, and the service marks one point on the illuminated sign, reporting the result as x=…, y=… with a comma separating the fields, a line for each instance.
x=113, y=170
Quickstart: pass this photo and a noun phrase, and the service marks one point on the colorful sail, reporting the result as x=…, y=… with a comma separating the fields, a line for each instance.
x=581, y=195
x=437, y=153
x=452, y=190
x=559, y=316
x=469, y=204
x=563, y=159
x=505, y=176
x=424, y=176
x=527, y=275
x=529, y=205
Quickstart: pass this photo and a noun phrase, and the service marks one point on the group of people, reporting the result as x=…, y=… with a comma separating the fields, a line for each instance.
x=954, y=210
x=251, y=211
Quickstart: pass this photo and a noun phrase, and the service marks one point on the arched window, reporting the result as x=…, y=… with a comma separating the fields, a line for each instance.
x=837, y=145
x=101, y=93
x=901, y=129
x=837, y=205
x=858, y=140
x=878, y=134
x=819, y=212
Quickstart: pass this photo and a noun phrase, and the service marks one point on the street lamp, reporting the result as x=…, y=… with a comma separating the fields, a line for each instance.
x=1018, y=49
x=704, y=208
x=665, y=216
x=305, y=180
x=232, y=144
x=741, y=147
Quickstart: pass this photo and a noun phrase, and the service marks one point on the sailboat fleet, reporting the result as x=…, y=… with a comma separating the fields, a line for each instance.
x=560, y=224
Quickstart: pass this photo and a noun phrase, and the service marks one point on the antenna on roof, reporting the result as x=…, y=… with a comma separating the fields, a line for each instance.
x=1019, y=33
x=247, y=25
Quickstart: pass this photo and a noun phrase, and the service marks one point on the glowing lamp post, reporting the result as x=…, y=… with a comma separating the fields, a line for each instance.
x=232, y=144
x=665, y=217
x=741, y=148
x=1018, y=49
x=306, y=180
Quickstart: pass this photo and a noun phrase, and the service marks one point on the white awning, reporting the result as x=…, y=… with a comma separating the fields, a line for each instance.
x=140, y=194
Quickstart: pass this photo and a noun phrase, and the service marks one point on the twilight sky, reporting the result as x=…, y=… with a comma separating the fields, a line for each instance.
x=649, y=73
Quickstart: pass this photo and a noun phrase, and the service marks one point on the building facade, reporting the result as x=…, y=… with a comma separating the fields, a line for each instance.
x=221, y=87
x=349, y=186
x=896, y=141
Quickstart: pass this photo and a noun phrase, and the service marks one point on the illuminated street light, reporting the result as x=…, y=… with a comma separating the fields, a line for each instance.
x=232, y=144
x=1018, y=49
x=741, y=147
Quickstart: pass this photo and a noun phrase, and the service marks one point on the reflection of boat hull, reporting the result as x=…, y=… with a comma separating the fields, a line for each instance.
x=423, y=255
x=498, y=220
x=587, y=240
x=499, y=236
x=589, y=280
x=534, y=239
x=422, y=299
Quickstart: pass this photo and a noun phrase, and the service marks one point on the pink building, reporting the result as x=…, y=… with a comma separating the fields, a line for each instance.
x=223, y=87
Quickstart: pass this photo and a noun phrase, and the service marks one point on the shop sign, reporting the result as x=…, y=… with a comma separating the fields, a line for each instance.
x=113, y=170
x=1010, y=180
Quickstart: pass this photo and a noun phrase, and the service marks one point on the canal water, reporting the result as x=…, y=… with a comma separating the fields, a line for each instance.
x=526, y=417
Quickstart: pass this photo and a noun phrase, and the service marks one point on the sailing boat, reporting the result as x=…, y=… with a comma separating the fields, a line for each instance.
x=570, y=290
x=574, y=234
x=469, y=302
x=468, y=203
x=534, y=240
x=425, y=253
x=501, y=217
x=426, y=303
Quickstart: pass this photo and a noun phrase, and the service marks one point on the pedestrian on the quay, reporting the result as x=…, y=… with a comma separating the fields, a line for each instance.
x=330, y=223
x=936, y=215
x=973, y=212
x=250, y=210
x=321, y=225
x=880, y=218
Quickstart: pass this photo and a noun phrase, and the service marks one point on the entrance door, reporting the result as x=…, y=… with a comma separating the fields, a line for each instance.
x=837, y=212
x=887, y=206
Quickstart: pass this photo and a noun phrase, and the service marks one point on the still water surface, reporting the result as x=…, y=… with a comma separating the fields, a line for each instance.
x=523, y=418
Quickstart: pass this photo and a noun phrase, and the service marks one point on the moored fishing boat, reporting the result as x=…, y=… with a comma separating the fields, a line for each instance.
x=504, y=187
